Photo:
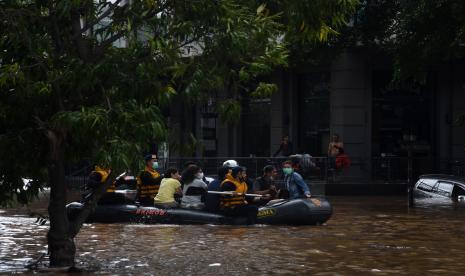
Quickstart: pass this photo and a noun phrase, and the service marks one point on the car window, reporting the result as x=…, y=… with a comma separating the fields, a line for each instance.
x=426, y=184
x=444, y=188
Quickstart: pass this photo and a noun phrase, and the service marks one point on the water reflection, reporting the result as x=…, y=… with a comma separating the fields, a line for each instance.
x=365, y=236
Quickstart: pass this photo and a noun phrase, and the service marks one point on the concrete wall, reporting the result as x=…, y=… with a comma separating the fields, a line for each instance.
x=350, y=104
x=228, y=140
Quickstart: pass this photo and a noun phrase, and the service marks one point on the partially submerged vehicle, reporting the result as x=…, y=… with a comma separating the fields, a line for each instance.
x=440, y=186
x=311, y=211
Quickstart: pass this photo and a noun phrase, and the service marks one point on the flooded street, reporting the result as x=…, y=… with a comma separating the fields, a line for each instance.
x=376, y=235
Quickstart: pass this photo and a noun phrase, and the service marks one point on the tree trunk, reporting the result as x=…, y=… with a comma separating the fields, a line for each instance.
x=60, y=244
x=89, y=206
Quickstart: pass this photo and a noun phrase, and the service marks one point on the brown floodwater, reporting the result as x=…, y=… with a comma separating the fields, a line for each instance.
x=366, y=235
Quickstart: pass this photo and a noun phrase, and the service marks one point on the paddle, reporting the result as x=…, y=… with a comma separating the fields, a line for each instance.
x=231, y=193
x=121, y=175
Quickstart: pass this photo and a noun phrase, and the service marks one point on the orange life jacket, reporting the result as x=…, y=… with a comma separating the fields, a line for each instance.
x=149, y=190
x=103, y=177
x=228, y=201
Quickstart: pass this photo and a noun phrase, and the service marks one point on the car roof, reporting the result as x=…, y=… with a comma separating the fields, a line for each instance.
x=444, y=177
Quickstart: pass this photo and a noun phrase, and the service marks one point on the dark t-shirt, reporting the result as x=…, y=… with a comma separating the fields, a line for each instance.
x=261, y=184
x=212, y=201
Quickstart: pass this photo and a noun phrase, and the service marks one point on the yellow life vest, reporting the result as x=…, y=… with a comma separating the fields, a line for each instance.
x=104, y=176
x=233, y=201
x=149, y=190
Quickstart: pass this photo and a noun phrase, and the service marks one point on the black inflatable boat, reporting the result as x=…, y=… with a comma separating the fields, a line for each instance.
x=312, y=211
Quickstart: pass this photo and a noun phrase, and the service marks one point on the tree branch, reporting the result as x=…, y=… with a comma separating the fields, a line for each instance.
x=99, y=50
x=82, y=45
x=108, y=103
x=55, y=32
x=111, y=8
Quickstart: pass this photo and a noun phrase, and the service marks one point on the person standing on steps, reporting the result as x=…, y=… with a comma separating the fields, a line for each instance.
x=285, y=148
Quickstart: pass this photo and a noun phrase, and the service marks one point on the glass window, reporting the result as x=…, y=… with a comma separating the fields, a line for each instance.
x=444, y=188
x=426, y=184
x=398, y=109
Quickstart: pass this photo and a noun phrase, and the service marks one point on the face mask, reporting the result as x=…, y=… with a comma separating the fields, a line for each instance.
x=199, y=175
x=287, y=171
x=155, y=165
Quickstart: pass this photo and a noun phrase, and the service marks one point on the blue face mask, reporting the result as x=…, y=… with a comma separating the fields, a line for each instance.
x=287, y=171
x=155, y=165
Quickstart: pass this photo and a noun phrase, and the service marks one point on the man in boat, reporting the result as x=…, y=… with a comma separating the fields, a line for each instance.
x=212, y=201
x=264, y=185
x=294, y=182
x=235, y=204
x=98, y=177
x=230, y=164
x=148, y=181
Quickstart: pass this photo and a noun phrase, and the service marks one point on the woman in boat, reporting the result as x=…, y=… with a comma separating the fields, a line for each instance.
x=169, y=188
x=194, y=190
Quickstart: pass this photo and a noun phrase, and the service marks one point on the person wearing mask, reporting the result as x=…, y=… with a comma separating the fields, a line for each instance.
x=235, y=205
x=148, y=181
x=189, y=163
x=294, y=182
x=212, y=201
x=264, y=185
x=285, y=148
x=169, y=188
x=194, y=189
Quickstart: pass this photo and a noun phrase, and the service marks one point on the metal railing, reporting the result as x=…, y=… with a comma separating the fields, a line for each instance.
x=375, y=170
x=382, y=169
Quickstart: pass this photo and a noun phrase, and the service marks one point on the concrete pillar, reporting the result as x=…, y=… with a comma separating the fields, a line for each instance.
x=458, y=109
x=277, y=128
x=444, y=113
x=350, y=109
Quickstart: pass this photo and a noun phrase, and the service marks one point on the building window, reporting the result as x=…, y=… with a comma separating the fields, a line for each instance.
x=313, y=121
x=208, y=124
x=398, y=110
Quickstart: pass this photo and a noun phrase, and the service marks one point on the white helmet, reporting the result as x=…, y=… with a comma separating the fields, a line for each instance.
x=230, y=164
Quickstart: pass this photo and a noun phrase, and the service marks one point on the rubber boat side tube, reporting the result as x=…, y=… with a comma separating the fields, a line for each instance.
x=288, y=212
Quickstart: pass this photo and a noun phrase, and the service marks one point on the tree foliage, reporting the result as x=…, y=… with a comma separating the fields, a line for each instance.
x=417, y=34
x=88, y=79
x=63, y=71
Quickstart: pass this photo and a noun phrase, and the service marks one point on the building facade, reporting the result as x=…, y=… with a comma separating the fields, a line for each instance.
x=355, y=98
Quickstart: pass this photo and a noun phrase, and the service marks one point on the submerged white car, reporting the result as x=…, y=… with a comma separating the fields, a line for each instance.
x=440, y=186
